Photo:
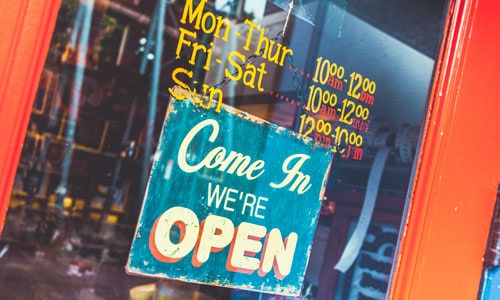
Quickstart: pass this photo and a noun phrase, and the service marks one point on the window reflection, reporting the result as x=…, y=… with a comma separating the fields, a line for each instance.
x=101, y=102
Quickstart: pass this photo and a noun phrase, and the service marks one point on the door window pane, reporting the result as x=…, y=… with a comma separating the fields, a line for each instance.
x=353, y=75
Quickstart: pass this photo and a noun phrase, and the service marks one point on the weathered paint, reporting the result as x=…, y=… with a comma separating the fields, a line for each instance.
x=172, y=185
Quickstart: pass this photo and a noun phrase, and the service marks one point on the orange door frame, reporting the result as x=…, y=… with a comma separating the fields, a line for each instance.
x=444, y=236
x=458, y=169
x=26, y=29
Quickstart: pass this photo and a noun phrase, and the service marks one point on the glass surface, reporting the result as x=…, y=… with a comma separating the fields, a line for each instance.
x=354, y=76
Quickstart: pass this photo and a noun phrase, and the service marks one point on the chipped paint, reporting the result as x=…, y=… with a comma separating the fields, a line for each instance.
x=266, y=194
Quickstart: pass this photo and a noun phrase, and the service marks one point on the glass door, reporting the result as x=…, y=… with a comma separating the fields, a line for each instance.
x=354, y=77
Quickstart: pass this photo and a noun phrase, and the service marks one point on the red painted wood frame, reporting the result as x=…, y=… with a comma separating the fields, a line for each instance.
x=26, y=30
x=458, y=169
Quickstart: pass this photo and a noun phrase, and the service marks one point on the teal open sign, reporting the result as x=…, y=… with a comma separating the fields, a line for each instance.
x=232, y=201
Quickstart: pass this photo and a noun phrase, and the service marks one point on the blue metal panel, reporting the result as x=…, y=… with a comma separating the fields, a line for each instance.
x=278, y=184
x=491, y=284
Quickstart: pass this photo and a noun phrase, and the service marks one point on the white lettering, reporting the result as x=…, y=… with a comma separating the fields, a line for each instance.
x=162, y=246
x=232, y=162
x=246, y=243
x=216, y=233
x=301, y=182
x=278, y=254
